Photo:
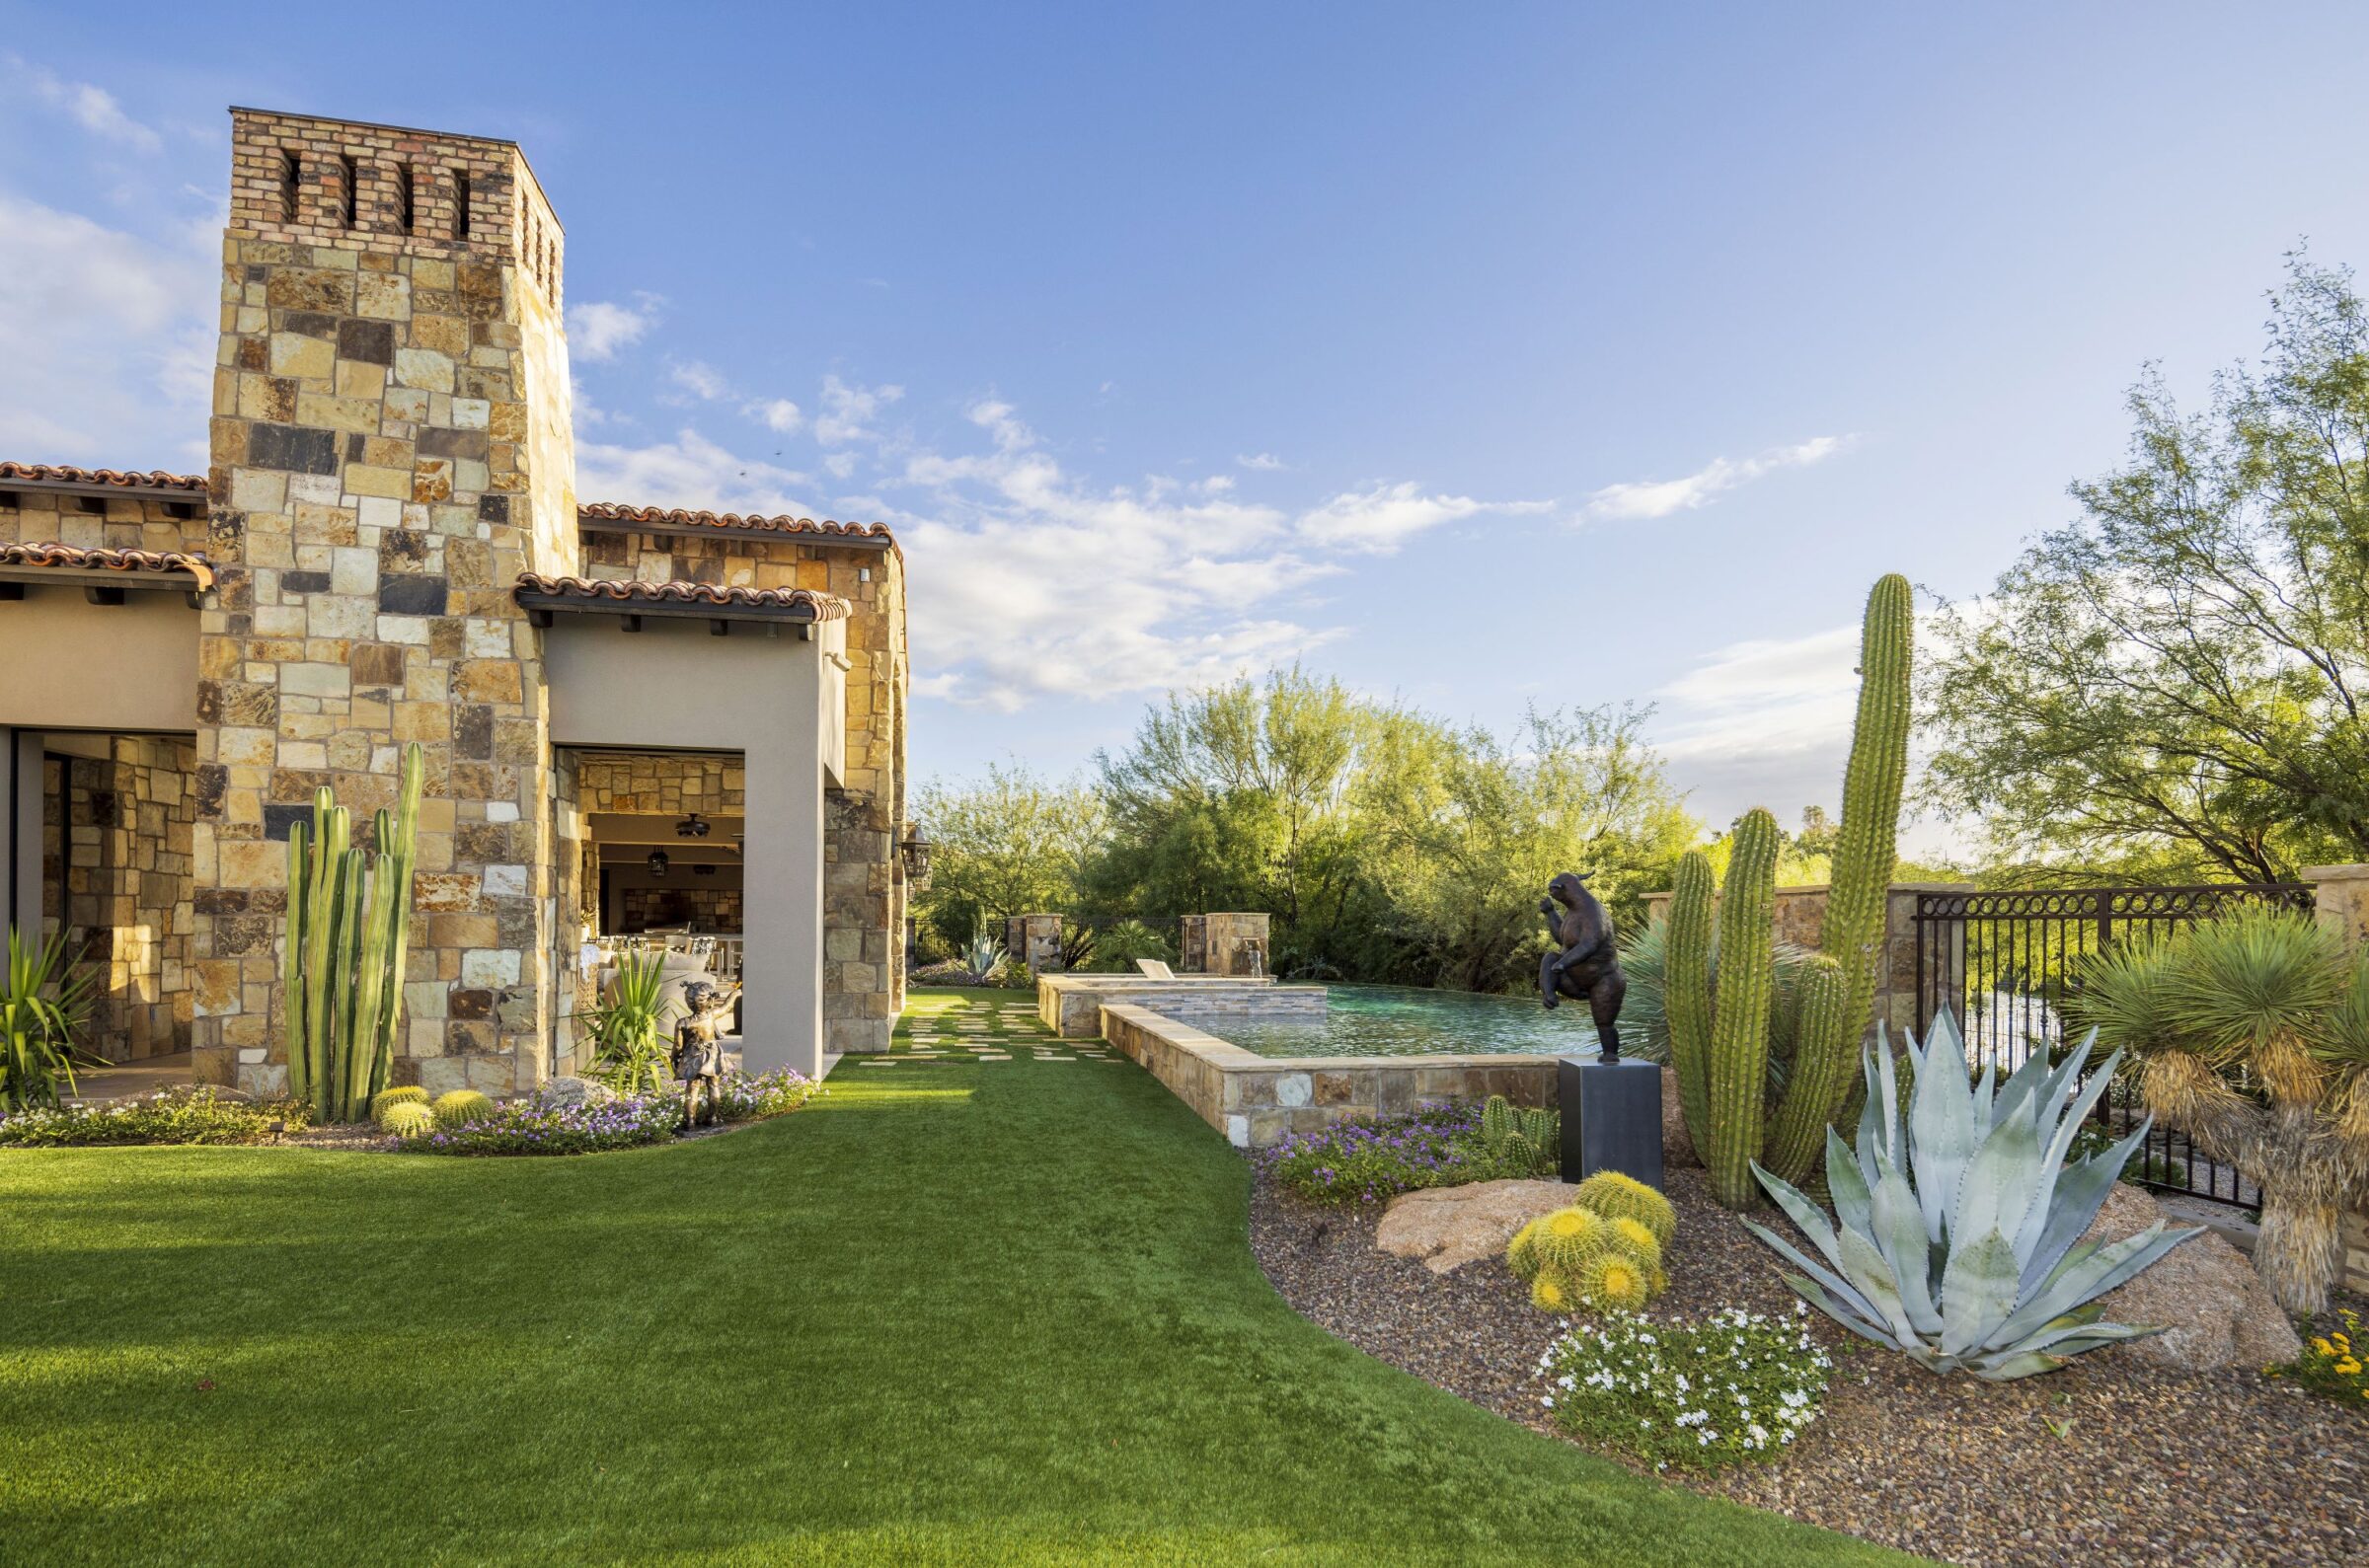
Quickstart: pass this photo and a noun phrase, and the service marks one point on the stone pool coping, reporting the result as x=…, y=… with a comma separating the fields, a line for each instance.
x=1257, y=1101
x=1071, y=1004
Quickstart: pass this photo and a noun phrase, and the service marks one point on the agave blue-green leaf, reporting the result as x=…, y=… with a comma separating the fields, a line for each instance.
x=1840, y=1308
x=2088, y=1271
x=1804, y=1213
x=1833, y=1283
x=2067, y=1125
x=1870, y=1273
x=2068, y=1072
x=2002, y=1182
x=1897, y=1223
x=1942, y=1128
x=2009, y=1368
x=1979, y=1291
x=2019, y=1095
x=1844, y=1183
x=1893, y=1137
x=2080, y=1191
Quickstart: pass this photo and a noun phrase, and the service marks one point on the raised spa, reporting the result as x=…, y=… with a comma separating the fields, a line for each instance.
x=1401, y=1020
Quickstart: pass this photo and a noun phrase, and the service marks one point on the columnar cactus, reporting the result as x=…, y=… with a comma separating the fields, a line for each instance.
x=348, y=931
x=1686, y=986
x=1835, y=1022
x=1739, y=1030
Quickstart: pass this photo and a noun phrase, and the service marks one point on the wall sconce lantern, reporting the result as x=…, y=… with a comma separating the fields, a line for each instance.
x=916, y=852
x=658, y=862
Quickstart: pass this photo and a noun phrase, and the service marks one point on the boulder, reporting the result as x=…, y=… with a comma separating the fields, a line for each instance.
x=2214, y=1310
x=577, y=1091
x=1677, y=1144
x=1450, y=1227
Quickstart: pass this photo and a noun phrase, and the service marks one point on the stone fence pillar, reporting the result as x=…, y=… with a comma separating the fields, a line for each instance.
x=1036, y=940
x=2340, y=894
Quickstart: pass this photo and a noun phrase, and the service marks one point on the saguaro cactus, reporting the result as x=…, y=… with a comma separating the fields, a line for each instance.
x=1686, y=986
x=1739, y=1028
x=1826, y=1054
x=348, y=936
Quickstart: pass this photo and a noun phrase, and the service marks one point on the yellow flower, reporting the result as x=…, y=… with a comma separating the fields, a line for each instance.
x=2348, y=1366
x=2324, y=1347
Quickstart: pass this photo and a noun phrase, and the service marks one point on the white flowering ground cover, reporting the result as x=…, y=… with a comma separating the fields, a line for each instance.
x=1737, y=1385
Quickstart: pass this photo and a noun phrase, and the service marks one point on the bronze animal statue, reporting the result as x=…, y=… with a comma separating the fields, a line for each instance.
x=698, y=1052
x=1585, y=964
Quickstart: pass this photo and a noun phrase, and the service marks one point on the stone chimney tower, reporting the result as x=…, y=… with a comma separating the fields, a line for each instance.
x=391, y=447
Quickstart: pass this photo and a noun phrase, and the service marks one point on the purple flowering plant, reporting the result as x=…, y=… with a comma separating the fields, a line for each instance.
x=539, y=1124
x=1374, y=1159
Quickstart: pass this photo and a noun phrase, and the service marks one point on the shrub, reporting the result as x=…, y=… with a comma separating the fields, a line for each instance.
x=1697, y=1395
x=539, y=1125
x=461, y=1107
x=749, y=1097
x=1373, y=1158
x=45, y=1002
x=199, y=1115
x=2331, y=1364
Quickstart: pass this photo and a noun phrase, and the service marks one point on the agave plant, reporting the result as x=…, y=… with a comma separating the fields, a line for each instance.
x=44, y=1006
x=983, y=957
x=1958, y=1230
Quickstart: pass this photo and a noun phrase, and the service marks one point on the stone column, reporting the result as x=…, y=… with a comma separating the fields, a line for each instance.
x=2340, y=895
x=390, y=448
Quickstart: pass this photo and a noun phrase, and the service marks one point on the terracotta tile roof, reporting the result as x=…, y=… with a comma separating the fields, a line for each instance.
x=610, y=512
x=59, y=473
x=77, y=558
x=823, y=606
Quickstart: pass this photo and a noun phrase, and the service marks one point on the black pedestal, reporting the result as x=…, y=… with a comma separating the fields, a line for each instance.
x=1611, y=1118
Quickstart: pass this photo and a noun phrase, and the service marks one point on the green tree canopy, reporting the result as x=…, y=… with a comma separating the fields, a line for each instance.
x=2175, y=677
x=1007, y=843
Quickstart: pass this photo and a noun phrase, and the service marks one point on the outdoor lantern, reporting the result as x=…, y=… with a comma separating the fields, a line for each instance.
x=658, y=862
x=916, y=849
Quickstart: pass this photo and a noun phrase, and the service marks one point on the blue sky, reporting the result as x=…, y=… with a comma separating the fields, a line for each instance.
x=1478, y=356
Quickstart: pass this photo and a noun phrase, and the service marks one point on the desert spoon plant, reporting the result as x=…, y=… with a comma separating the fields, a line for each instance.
x=1956, y=1234
x=350, y=918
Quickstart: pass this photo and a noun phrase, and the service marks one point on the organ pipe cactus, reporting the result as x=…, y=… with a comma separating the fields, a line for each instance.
x=1738, y=1064
x=348, y=934
x=1956, y=1234
x=1835, y=1011
x=1686, y=986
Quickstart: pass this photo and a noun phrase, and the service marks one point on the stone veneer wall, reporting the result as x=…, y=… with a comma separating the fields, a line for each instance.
x=865, y=896
x=715, y=909
x=127, y=522
x=1070, y=1005
x=1800, y=919
x=2341, y=896
x=1257, y=1101
x=117, y=831
x=661, y=784
x=390, y=448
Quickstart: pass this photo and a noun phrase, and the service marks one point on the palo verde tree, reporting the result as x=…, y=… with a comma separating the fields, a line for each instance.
x=2182, y=670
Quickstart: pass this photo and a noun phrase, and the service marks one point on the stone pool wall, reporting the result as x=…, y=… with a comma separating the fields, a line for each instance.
x=1256, y=1101
x=1071, y=1004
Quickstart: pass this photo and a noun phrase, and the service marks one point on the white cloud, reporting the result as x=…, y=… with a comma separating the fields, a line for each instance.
x=107, y=341
x=1650, y=498
x=690, y=471
x=598, y=329
x=93, y=109
x=847, y=410
x=776, y=413
x=699, y=379
x=1263, y=462
x=1380, y=520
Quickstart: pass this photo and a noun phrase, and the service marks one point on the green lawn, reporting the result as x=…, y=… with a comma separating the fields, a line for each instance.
x=955, y=1311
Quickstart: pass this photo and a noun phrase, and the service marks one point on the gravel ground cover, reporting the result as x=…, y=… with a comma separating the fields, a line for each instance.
x=2106, y=1461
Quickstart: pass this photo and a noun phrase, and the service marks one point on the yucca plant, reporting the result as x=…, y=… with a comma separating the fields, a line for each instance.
x=42, y=1012
x=1956, y=1236
x=2252, y=1034
x=631, y=1051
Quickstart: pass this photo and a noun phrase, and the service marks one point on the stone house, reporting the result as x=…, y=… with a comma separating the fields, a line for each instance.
x=633, y=715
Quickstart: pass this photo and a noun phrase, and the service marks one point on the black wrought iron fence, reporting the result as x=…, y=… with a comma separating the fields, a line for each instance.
x=2006, y=965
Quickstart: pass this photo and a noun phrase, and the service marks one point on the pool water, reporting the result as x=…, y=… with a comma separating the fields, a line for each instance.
x=1405, y=1020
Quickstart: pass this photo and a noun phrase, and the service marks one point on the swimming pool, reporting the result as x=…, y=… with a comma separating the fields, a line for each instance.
x=1405, y=1020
